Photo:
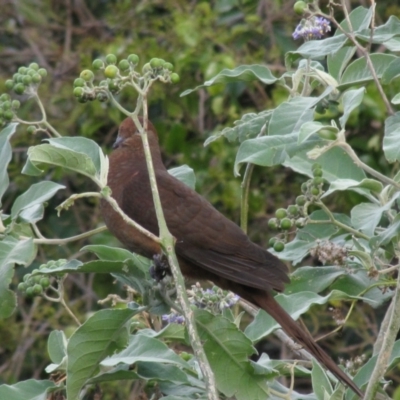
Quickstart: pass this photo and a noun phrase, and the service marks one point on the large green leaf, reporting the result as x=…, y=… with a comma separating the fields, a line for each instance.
x=391, y=138
x=91, y=343
x=12, y=251
x=246, y=73
x=320, y=381
x=5, y=156
x=228, y=351
x=28, y=390
x=185, y=174
x=382, y=33
x=351, y=100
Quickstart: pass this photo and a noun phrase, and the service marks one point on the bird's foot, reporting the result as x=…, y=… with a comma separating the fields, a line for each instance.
x=160, y=268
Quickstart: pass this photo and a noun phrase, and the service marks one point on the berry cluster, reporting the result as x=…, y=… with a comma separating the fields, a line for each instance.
x=296, y=214
x=8, y=108
x=119, y=76
x=36, y=283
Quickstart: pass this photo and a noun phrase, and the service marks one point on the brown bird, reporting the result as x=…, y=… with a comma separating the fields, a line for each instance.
x=208, y=245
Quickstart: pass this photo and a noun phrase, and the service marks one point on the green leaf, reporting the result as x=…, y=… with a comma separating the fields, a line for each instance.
x=246, y=73
x=392, y=72
x=320, y=381
x=247, y=127
x=351, y=100
x=68, y=159
x=28, y=390
x=391, y=138
x=12, y=251
x=57, y=349
x=364, y=186
x=144, y=348
x=358, y=72
x=388, y=234
x=383, y=33
x=91, y=343
x=396, y=99
x=311, y=128
x=228, y=351
x=5, y=156
x=37, y=194
x=185, y=174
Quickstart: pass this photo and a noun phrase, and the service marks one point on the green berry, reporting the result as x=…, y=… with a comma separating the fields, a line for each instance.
x=31, y=129
x=123, y=65
x=146, y=68
x=19, y=88
x=34, y=66
x=6, y=105
x=31, y=72
x=26, y=277
x=286, y=224
x=304, y=187
x=112, y=86
x=293, y=210
x=1, y=111
x=168, y=66
x=44, y=282
x=315, y=191
x=5, y=97
x=79, y=82
x=272, y=241
x=87, y=75
x=37, y=278
x=16, y=77
x=299, y=7
x=281, y=213
x=97, y=64
x=102, y=97
x=300, y=222
x=29, y=291
x=316, y=166
x=36, y=78
x=111, y=71
x=318, y=180
x=111, y=59
x=175, y=77
x=22, y=70
x=317, y=172
x=155, y=63
x=273, y=223
x=42, y=72
x=78, y=92
x=37, y=290
x=27, y=80
x=15, y=104
x=9, y=84
x=22, y=287
x=279, y=246
x=133, y=58
x=301, y=200
x=8, y=115
x=82, y=100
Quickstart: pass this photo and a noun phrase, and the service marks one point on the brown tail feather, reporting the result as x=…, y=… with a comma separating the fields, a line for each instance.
x=272, y=307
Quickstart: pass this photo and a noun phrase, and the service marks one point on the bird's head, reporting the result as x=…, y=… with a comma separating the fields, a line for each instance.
x=129, y=135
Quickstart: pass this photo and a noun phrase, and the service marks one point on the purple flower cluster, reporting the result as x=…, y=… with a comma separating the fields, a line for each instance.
x=313, y=28
x=173, y=318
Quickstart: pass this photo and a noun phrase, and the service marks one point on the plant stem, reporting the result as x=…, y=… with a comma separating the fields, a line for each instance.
x=385, y=352
x=244, y=201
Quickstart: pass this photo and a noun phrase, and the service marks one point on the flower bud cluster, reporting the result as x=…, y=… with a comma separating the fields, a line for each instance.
x=329, y=252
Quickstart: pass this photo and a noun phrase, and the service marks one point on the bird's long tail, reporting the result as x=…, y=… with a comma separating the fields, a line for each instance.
x=272, y=307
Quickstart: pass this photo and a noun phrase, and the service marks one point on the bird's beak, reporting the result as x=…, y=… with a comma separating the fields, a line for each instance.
x=118, y=142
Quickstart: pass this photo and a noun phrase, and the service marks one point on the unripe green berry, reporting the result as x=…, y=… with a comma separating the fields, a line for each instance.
x=102, y=97
x=293, y=210
x=31, y=129
x=34, y=66
x=36, y=78
x=304, y=187
x=42, y=72
x=133, y=58
x=37, y=278
x=281, y=213
x=316, y=166
x=112, y=86
x=79, y=82
x=175, y=77
x=300, y=222
x=168, y=66
x=155, y=63
x=279, y=246
x=6, y=105
x=22, y=70
x=111, y=71
x=87, y=75
x=26, y=277
x=318, y=180
x=315, y=191
x=27, y=80
x=31, y=72
x=111, y=59
x=9, y=84
x=22, y=287
x=286, y=224
x=1, y=111
x=44, y=282
x=317, y=172
x=273, y=223
x=301, y=200
x=123, y=65
x=82, y=100
x=15, y=104
x=146, y=68
x=299, y=7
x=97, y=64
x=37, y=290
x=29, y=291
x=8, y=115
x=272, y=241
x=78, y=92
x=5, y=97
